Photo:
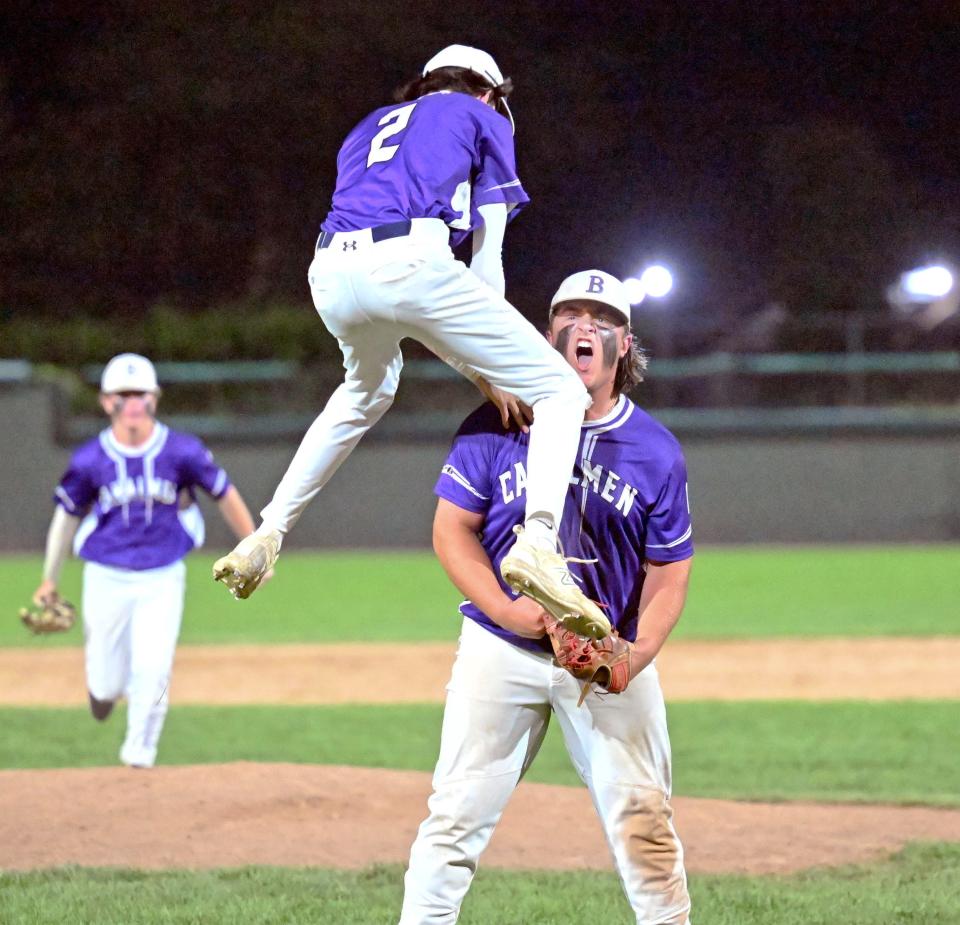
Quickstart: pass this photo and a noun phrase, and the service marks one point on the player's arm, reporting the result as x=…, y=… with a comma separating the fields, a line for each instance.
x=458, y=548
x=235, y=512
x=661, y=603
x=63, y=528
x=487, y=261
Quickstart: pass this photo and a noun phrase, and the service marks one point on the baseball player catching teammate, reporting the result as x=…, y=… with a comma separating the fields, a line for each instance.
x=628, y=494
x=127, y=504
x=414, y=179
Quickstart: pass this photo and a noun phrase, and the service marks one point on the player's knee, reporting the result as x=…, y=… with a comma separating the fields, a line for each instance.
x=371, y=402
x=565, y=391
x=576, y=392
x=375, y=405
x=151, y=683
x=381, y=399
x=649, y=839
x=566, y=382
x=367, y=409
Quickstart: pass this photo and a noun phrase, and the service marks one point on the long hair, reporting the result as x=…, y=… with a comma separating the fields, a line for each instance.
x=630, y=369
x=456, y=79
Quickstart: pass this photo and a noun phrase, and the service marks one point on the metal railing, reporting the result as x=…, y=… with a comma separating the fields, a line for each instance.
x=713, y=394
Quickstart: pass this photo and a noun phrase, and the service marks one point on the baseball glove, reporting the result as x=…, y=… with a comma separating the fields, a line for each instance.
x=604, y=662
x=53, y=615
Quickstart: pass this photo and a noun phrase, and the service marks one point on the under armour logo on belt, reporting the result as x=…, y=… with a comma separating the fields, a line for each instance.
x=349, y=245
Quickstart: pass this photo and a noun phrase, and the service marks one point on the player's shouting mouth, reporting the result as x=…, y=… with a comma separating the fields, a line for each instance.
x=592, y=340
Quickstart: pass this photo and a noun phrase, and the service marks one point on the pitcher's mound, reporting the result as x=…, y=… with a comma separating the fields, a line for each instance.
x=237, y=814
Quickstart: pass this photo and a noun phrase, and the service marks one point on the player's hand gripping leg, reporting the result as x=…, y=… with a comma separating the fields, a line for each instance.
x=244, y=569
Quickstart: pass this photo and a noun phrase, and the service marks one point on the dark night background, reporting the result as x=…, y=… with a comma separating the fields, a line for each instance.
x=184, y=153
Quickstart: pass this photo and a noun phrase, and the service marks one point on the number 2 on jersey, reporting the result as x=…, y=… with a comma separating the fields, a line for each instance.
x=393, y=123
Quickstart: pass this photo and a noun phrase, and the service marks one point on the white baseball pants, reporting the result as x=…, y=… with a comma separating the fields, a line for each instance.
x=374, y=295
x=131, y=621
x=499, y=702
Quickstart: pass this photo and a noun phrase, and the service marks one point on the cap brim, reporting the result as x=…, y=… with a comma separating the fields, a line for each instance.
x=625, y=319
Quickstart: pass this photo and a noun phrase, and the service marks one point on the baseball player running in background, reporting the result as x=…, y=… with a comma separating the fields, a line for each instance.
x=127, y=504
x=629, y=494
x=414, y=179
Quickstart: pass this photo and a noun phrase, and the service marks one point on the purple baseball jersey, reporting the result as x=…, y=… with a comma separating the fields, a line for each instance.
x=130, y=497
x=627, y=502
x=440, y=156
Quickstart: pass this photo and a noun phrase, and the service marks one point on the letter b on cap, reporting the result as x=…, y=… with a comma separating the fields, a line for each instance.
x=595, y=284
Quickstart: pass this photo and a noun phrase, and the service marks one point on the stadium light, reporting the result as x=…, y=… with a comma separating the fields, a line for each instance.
x=635, y=291
x=927, y=283
x=656, y=281
x=927, y=295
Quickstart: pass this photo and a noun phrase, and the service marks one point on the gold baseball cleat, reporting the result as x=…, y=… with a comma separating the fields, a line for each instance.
x=243, y=569
x=543, y=576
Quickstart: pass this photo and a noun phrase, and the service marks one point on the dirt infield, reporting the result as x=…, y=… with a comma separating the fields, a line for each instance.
x=295, y=815
x=801, y=669
x=284, y=814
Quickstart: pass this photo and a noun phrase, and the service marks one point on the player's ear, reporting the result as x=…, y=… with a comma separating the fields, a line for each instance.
x=111, y=404
x=627, y=344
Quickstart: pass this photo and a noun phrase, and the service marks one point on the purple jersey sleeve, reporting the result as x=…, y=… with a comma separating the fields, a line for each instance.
x=496, y=176
x=669, y=528
x=465, y=479
x=200, y=469
x=77, y=491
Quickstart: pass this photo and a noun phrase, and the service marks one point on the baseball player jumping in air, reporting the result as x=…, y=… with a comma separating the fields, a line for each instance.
x=127, y=504
x=629, y=493
x=414, y=179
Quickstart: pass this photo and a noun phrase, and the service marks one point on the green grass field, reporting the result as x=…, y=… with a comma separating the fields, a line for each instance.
x=919, y=886
x=874, y=752
x=735, y=593
x=893, y=752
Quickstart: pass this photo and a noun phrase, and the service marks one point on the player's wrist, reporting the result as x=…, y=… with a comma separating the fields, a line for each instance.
x=642, y=653
x=515, y=619
x=499, y=612
x=46, y=588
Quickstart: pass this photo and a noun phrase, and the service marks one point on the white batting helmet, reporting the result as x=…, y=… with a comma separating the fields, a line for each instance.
x=129, y=372
x=594, y=286
x=472, y=59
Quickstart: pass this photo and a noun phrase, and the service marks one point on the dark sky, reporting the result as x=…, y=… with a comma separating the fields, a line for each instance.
x=641, y=127
x=694, y=91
